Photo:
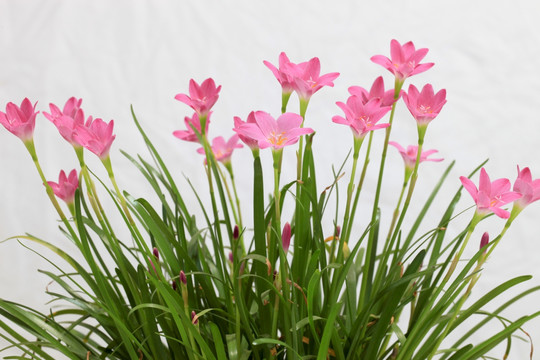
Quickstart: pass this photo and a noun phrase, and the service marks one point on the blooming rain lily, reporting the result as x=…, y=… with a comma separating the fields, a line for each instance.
x=67, y=120
x=201, y=97
x=189, y=133
x=425, y=105
x=223, y=150
x=66, y=186
x=362, y=117
x=405, y=60
x=285, y=74
x=308, y=79
x=238, y=123
x=96, y=135
x=283, y=131
x=527, y=187
x=490, y=196
x=20, y=120
x=411, y=154
x=376, y=91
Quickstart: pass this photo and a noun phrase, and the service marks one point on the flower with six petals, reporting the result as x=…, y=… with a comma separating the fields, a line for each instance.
x=376, y=91
x=189, y=133
x=362, y=117
x=405, y=60
x=425, y=105
x=67, y=120
x=96, y=135
x=20, y=120
x=527, y=187
x=307, y=80
x=490, y=196
x=201, y=97
x=66, y=186
x=238, y=123
x=223, y=150
x=410, y=154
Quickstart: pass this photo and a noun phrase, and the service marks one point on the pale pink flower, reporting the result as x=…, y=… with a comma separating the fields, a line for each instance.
x=189, y=134
x=66, y=186
x=362, y=117
x=410, y=154
x=201, y=97
x=223, y=150
x=308, y=80
x=376, y=91
x=68, y=119
x=20, y=121
x=96, y=135
x=490, y=196
x=286, y=237
x=238, y=123
x=527, y=187
x=426, y=105
x=285, y=74
x=278, y=133
x=405, y=60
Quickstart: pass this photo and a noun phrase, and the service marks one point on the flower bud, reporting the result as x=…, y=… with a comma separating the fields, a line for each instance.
x=286, y=237
x=155, y=251
x=183, y=278
x=173, y=284
x=484, y=241
x=236, y=232
x=194, y=318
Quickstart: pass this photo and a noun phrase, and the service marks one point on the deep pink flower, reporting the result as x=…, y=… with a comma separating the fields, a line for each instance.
x=425, y=105
x=96, y=135
x=484, y=241
x=527, y=187
x=238, y=123
x=362, y=117
x=411, y=153
x=68, y=119
x=405, y=60
x=278, y=133
x=189, y=134
x=66, y=186
x=490, y=196
x=223, y=150
x=285, y=74
x=308, y=80
x=20, y=121
x=201, y=97
x=376, y=91
x=286, y=237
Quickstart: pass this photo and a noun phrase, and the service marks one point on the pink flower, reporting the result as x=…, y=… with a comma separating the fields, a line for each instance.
x=278, y=133
x=223, y=150
x=484, y=241
x=426, y=105
x=66, y=186
x=527, y=187
x=68, y=119
x=405, y=60
x=20, y=121
x=201, y=97
x=96, y=135
x=376, y=91
x=189, y=134
x=238, y=123
x=308, y=80
x=411, y=153
x=286, y=237
x=362, y=117
x=285, y=74
x=490, y=196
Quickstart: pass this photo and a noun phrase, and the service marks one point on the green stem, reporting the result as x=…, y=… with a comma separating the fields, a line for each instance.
x=108, y=165
x=357, y=145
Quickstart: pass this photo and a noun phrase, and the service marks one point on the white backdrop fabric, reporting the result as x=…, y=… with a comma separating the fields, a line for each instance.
x=116, y=53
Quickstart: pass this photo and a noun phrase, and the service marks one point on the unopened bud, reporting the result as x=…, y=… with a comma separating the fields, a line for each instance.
x=183, y=278
x=286, y=237
x=338, y=230
x=236, y=232
x=194, y=318
x=173, y=284
x=156, y=253
x=231, y=257
x=484, y=241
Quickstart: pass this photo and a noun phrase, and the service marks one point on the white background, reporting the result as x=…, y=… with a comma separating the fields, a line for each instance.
x=116, y=53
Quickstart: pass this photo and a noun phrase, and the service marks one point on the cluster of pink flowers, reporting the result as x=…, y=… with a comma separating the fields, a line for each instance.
x=92, y=134
x=490, y=196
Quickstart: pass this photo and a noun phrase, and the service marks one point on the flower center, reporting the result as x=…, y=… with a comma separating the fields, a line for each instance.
x=277, y=139
x=426, y=109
